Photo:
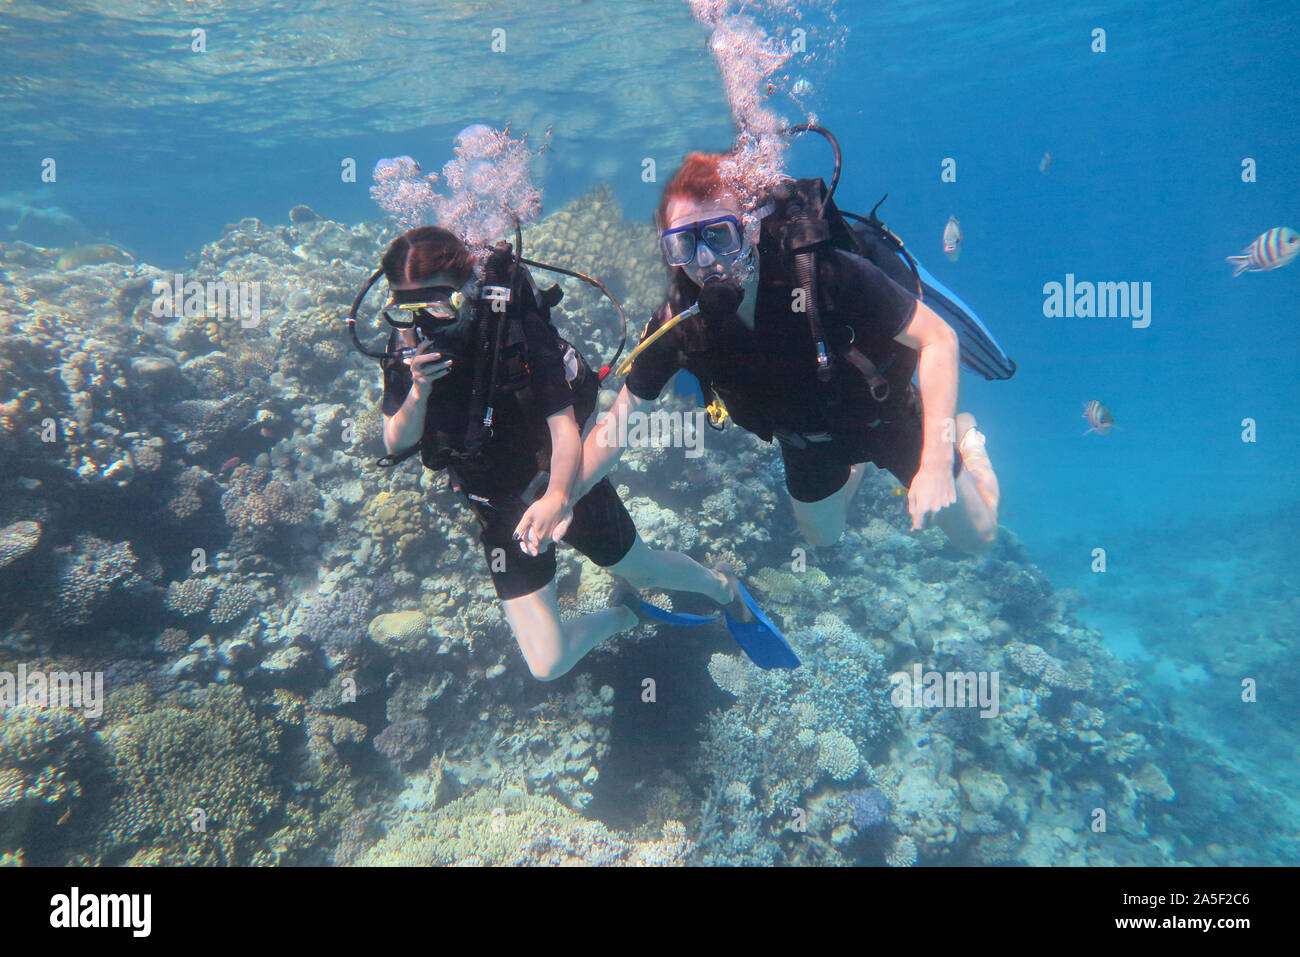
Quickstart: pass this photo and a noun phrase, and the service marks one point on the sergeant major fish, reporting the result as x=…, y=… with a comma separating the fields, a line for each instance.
x=1272, y=249
x=952, y=238
x=1100, y=419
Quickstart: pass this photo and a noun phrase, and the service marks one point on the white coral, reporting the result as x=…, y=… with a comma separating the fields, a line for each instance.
x=730, y=673
x=837, y=755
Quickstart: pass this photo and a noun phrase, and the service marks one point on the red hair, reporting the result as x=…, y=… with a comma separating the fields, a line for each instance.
x=697, y=180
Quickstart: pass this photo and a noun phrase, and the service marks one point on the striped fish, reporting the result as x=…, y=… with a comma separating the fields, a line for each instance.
x=1099, y=417
x=1277, y=247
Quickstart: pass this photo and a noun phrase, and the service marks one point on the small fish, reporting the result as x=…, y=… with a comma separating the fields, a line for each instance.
x=898, y=491
x=1045, y=163
x=1272, y=249
x=91, y=255
x=952, y=238
x=1100, y=419
x=230, y=464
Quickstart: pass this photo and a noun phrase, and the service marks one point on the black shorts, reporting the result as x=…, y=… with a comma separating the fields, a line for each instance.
x=601, y=529
x=820, y=469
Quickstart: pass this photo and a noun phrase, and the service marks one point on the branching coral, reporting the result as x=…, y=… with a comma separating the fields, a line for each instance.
x=182, y=762
x=255, y=501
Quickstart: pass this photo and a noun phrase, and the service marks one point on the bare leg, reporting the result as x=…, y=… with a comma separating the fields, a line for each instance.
x=550, y=647
x=822, y=522
x=644, y=567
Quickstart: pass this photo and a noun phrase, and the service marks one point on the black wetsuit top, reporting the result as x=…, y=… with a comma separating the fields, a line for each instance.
x=767, y=376
x=520, y=445
x=518, y=449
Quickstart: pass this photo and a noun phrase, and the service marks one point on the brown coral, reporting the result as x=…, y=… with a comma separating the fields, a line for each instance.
x=233, y=602
x=188, y=497
x=191, y=596
x=254, y=501
x=397, y=522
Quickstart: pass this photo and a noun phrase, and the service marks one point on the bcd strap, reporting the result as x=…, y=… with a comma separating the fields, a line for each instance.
x=878, y=384
x=802, y=235
x=492, y=307
x=436, y=460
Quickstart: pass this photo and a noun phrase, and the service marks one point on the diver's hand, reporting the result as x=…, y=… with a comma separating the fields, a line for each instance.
x=427, y=367
x=932, y=490
x=546, y=520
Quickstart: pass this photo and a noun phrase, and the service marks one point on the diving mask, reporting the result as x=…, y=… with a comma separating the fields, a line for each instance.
x=429, y=307
x=723, y=235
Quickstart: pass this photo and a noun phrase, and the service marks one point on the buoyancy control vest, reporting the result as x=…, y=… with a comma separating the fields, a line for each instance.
x=794, y=245
x=499, y=351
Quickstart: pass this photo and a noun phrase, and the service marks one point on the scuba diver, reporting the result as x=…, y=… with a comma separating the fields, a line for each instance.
x=808, y=329
x=478, y=381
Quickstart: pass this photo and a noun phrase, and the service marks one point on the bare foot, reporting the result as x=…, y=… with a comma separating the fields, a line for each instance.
x=975, y=459
x=736, y=608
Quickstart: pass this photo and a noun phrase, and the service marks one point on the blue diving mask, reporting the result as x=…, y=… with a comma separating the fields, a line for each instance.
x=723, y=235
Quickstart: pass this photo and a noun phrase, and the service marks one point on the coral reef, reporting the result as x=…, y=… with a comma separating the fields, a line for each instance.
x=90, y=570
x=193, y=780
x=43, y=762
x=867, y=807
x=309, y=651
x=404, y=740
x=487, y=828
x=335, y=620
x=255, y=501
x=17, y=540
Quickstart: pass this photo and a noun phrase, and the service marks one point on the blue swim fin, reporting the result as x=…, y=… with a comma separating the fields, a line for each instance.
x=979, y=349
x=761, y=640
x=687, y=386
x=673, y=618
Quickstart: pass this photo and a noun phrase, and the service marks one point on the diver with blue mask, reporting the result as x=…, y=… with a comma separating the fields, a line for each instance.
x=810, y=335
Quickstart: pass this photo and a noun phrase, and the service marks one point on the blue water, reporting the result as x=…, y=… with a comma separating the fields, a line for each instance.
x=1147, y=140
x=158, y=148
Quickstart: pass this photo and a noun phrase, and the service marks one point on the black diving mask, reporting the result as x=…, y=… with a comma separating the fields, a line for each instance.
x=432, y=312
x=429, y=308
